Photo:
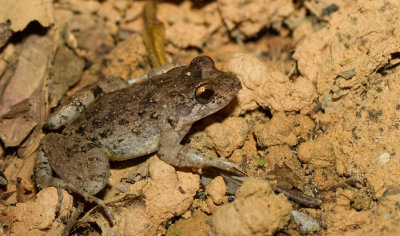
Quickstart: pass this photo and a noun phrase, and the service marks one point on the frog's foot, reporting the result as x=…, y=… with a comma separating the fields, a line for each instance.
x=85, y=178
x=49, y=181
x=182, y=156
x=60, y=199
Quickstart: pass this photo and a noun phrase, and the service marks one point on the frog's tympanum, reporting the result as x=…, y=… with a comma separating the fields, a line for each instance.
x=131, y=121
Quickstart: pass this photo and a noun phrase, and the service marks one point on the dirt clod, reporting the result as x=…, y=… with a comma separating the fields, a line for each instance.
x=256, y=211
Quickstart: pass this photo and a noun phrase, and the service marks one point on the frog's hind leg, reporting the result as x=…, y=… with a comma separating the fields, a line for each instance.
x=72, y=173
x=45, y=179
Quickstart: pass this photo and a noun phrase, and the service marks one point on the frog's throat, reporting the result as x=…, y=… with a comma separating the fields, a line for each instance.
x=183, y=127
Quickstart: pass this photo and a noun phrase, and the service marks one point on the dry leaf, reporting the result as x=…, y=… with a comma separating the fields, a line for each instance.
x=31, y=69
x=23, y=92
x=5, y=33
x=22, y=12
x=39, y=105
x=66, y=71
x=154, y=35
x=18, y=109
x=14, y=131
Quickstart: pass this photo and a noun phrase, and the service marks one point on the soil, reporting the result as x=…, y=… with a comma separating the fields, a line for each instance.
x=318, y=114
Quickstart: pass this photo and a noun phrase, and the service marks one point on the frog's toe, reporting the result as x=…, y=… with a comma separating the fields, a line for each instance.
x=60, y=199
x=59, y=183
x=237, y=170
x=231, y=167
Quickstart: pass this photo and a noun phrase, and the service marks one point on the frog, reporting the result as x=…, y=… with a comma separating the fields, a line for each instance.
x=116, y=121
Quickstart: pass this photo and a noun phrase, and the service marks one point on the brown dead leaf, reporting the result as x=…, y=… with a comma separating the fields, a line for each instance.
x=18, y=109
x=39, y=105
x=92, y=36
x=5, y=33
x=154, y=35
x=37, y=112
x=66, y=71
x=31, y=68
x=22, y=12
x=23, y=95
x=30, y=145
x=13, y=131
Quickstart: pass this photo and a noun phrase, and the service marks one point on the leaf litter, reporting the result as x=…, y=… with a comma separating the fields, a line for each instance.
x=326, y=128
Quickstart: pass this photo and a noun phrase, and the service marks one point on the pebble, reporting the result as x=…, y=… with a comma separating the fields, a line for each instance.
x=307, y=222
x=384, y=158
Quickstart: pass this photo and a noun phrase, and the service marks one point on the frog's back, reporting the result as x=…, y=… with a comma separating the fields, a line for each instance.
x=126, y=123
x=129, y=122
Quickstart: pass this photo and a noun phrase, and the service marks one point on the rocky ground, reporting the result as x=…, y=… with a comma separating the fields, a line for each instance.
x=318, y=113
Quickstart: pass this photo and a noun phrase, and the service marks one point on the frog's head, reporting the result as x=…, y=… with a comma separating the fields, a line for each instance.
x=207, y=89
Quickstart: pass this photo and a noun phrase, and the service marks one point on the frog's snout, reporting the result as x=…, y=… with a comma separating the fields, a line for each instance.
x=237, y=85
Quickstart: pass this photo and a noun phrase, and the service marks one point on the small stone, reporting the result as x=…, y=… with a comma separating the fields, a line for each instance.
x=307, y=222
x=257, y=210
x=216, y=190
x=384, y=158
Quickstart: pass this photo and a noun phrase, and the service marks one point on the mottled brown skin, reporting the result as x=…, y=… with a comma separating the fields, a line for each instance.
x=151, y=116
x=128, y=122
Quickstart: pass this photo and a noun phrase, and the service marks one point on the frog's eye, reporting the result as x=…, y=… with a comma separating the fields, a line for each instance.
x=204, y=94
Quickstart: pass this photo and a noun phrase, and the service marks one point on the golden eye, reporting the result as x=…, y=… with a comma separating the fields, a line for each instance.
x=204, y=94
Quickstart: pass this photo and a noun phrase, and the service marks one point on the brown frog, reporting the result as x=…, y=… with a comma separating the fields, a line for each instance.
x=148, y=117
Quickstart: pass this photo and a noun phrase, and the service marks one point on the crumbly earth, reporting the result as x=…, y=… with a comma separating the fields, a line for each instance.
x=318, y=113
x=255, y=211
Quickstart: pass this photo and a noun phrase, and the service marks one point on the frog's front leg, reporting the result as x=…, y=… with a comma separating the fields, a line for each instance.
x=82, y=167
x=182, y=156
